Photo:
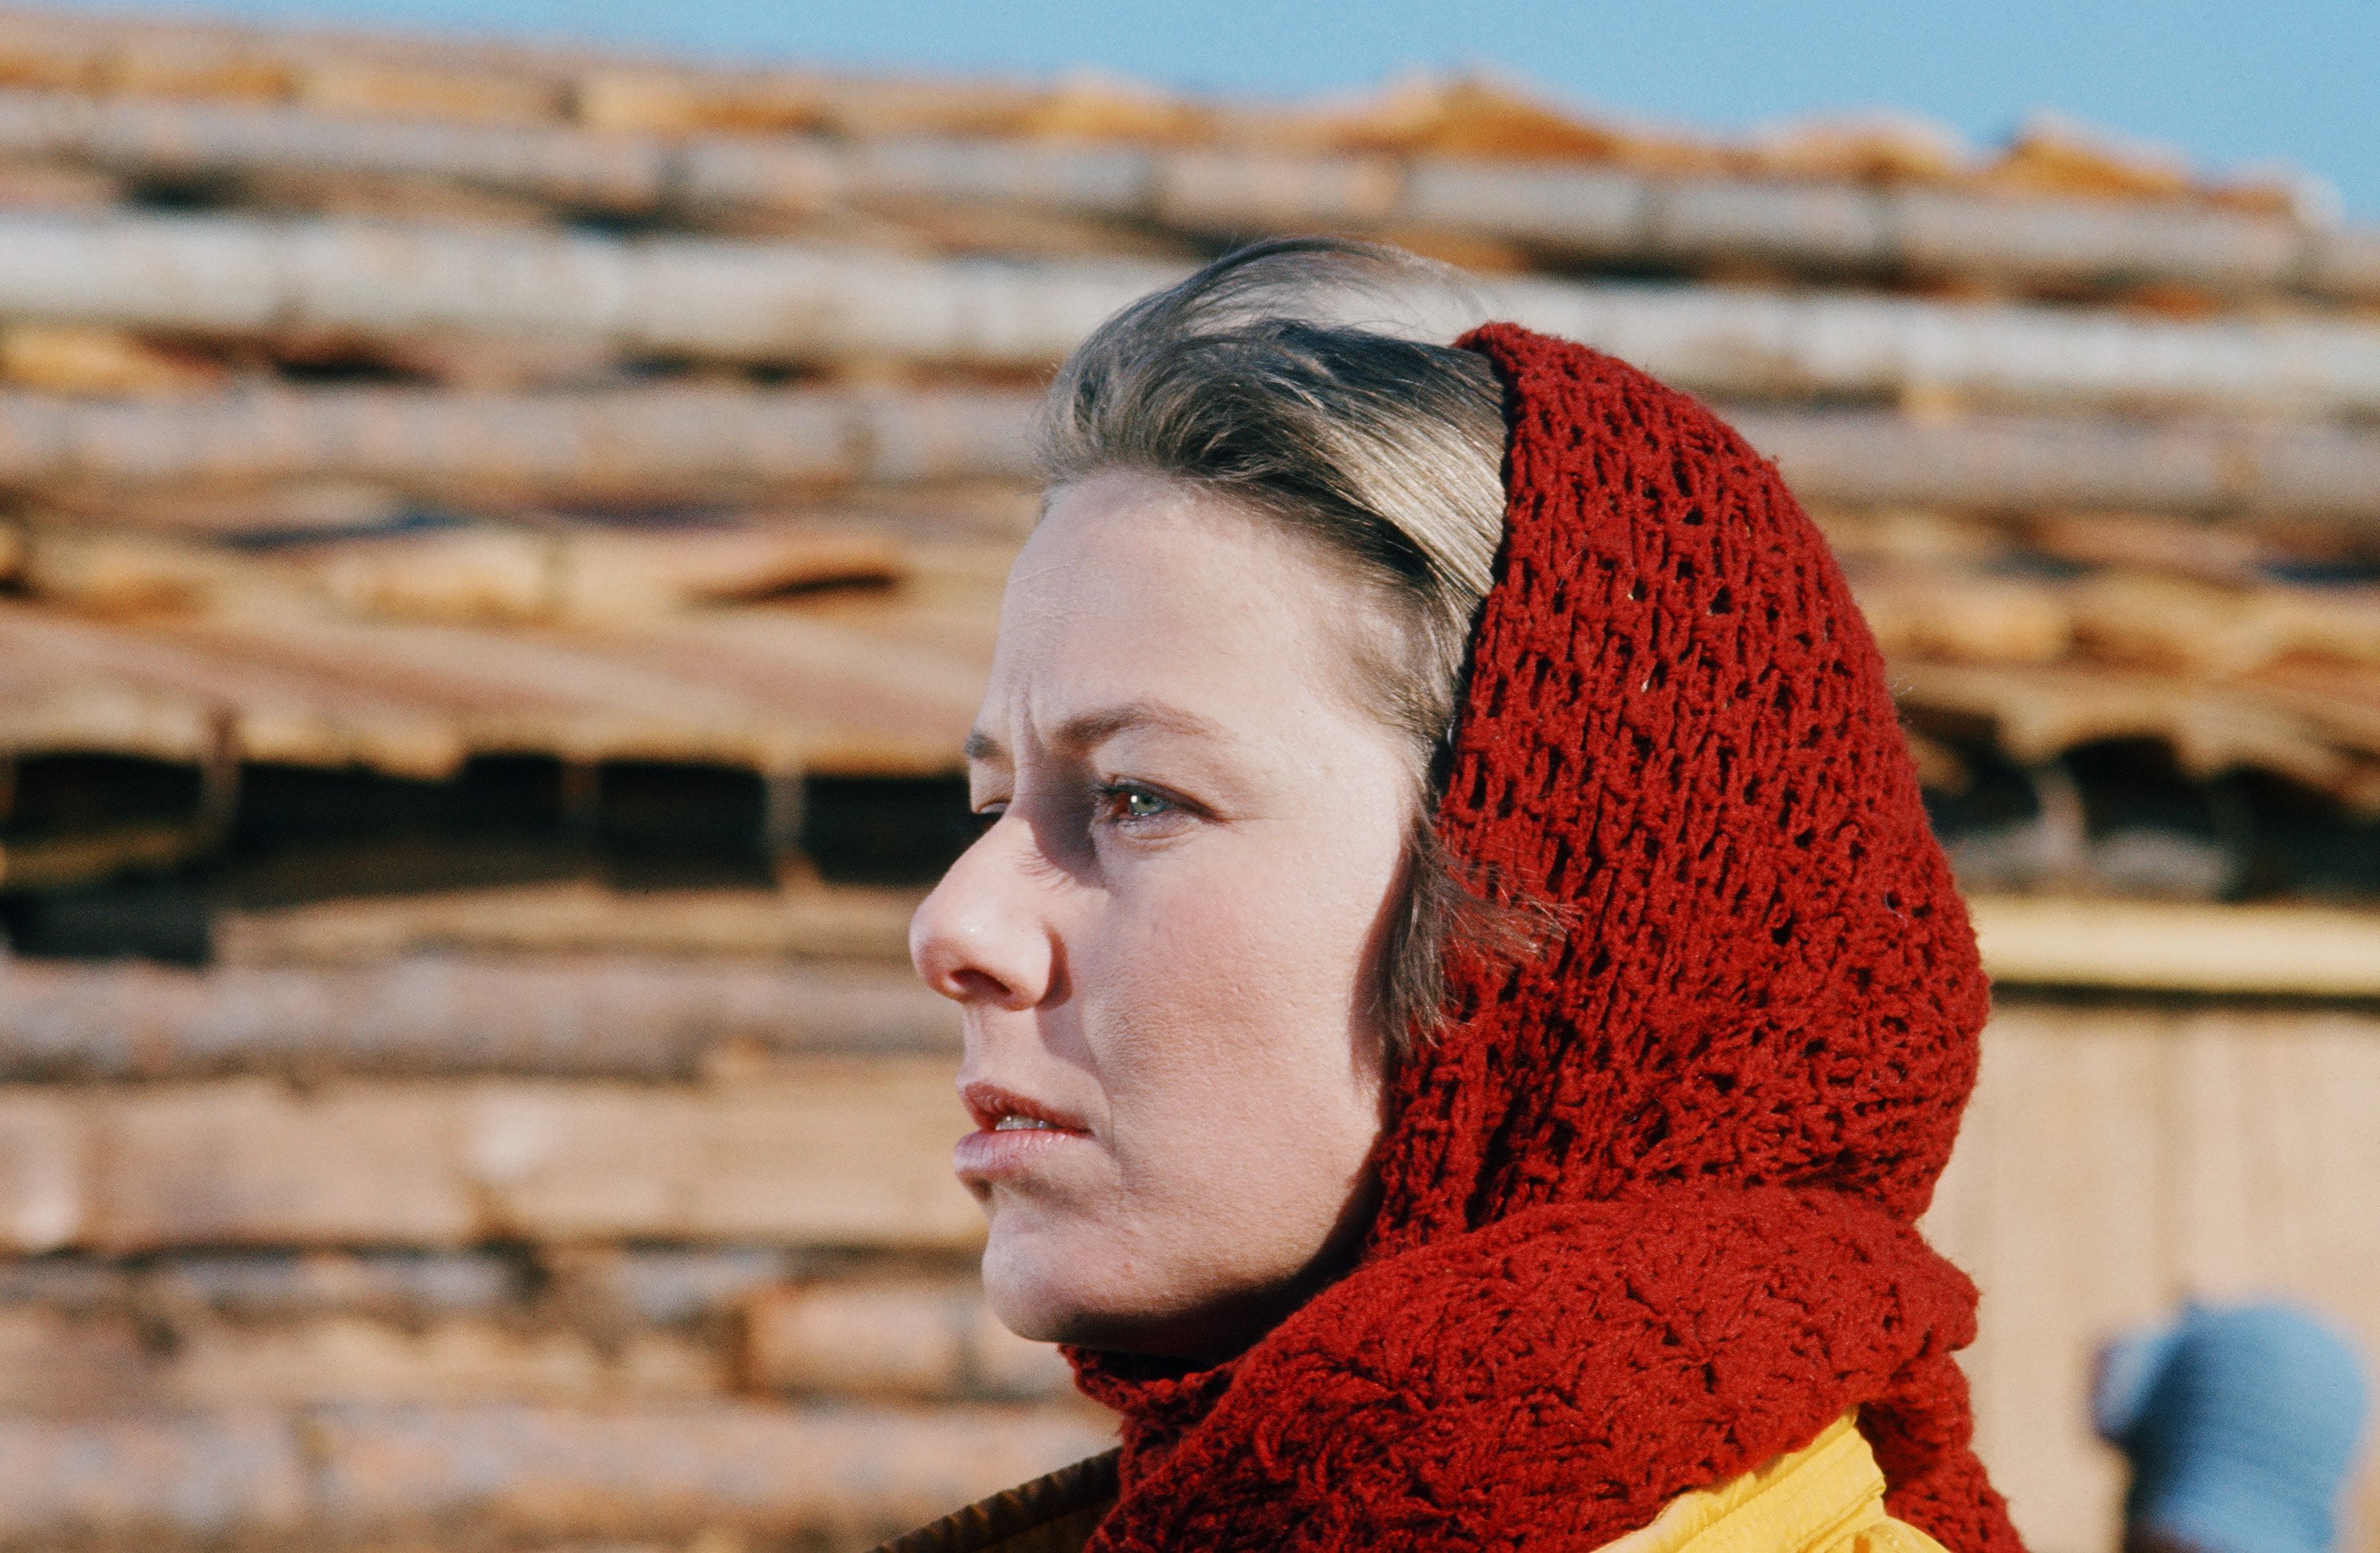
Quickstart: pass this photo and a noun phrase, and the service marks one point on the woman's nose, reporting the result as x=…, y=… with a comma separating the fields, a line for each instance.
x=982, y=935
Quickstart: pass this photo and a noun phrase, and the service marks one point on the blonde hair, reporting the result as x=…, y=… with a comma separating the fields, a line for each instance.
x=1384, y=453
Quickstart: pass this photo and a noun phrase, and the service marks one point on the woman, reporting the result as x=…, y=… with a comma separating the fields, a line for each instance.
x=1463, y=1005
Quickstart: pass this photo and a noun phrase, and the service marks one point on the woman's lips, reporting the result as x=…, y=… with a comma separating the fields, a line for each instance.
x=997, y=1154
x=1012, y=1133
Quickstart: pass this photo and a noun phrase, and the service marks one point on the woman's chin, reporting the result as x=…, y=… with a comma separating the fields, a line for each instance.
x=1038, y=1289
x=1063, y=1288
x=1087, y=1300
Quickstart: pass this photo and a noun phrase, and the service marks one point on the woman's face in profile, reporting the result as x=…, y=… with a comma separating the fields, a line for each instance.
x=1167, y=942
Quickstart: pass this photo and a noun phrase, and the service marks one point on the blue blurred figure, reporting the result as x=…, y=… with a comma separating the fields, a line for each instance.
x=2241, y=1422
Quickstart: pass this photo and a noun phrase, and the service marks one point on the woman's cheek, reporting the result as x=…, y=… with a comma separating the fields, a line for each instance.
x=1246, y=898
x=1217, y=987
x=1220, y=1035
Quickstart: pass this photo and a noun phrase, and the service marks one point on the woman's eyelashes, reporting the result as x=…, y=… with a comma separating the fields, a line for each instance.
x=1089, y=808
x=1137, y=808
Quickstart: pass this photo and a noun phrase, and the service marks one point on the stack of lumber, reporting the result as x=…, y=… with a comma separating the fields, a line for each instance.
x=498, y=549
x=518, y=1249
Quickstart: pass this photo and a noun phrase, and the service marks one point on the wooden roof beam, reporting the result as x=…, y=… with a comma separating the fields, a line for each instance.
x=797, y=305
x=698, y=440
x=1564, y=210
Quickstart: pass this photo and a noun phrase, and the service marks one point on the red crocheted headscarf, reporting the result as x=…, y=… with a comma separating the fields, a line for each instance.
x=1646, y=1205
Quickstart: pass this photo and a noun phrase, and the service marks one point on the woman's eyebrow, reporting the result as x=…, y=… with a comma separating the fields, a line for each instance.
x=1091, y=730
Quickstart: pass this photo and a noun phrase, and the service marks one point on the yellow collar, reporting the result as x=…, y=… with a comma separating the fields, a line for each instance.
x=1826, y=1497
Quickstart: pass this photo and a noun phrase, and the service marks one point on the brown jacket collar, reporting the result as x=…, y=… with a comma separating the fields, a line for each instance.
x=1053, y=1514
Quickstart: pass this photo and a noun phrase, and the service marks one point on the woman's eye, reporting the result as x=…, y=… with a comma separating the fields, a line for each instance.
x=1136, y=804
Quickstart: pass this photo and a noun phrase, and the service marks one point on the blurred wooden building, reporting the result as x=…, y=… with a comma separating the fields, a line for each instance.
x=499, y=550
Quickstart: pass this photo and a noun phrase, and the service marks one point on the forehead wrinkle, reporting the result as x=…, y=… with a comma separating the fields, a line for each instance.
x=1091, y=730
x=1088, y=731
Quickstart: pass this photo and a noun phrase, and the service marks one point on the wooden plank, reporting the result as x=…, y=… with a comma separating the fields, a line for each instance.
x=903, y=1338
x=45, y=1170
x=524, y=1474
x=852, y=1473
x=62, y=1366
x=2316, y=1155
x=580, y=573
x=2022, y=463
x=600, y=1289
x=590, y=1015
x=2220, y=1194
x=1725, y=341
x=842, y=1153
x=436, y=91
x=2281, y=949
x=155, y=1481
x=826, y=1152
x=1567, y=212
x=63, y=862
x=765, y=302
x=772, y=689
x=1965, y=614
x=49, y=703
x=820, y=923
x=245, y=1161
x=349, y=1361
x=526, y=691
x=925, y=1340
x=2321, y=737
x=2269, y=1191
x=410, y=1289
x=2142, y=1156
x=668, y=438
x=686, y=438
x=211, y=1327
x=458, y=79
x=2074, y=1252
x=277, y=705
x=873, y=1136
x=886, y=684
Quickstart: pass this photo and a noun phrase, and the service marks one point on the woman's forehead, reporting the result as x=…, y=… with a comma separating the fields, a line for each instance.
x=1138, y=594
x=1133, y=516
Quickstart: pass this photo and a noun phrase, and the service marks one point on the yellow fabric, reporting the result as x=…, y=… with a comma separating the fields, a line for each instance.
x=1826, y=1497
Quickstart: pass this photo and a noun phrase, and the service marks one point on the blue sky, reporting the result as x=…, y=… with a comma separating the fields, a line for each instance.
x=2229, y=82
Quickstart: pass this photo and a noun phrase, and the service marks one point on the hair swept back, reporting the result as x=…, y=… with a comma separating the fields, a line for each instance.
x=1275, y=377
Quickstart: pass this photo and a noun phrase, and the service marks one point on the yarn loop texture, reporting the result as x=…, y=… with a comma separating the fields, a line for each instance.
x=1648, y=1205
